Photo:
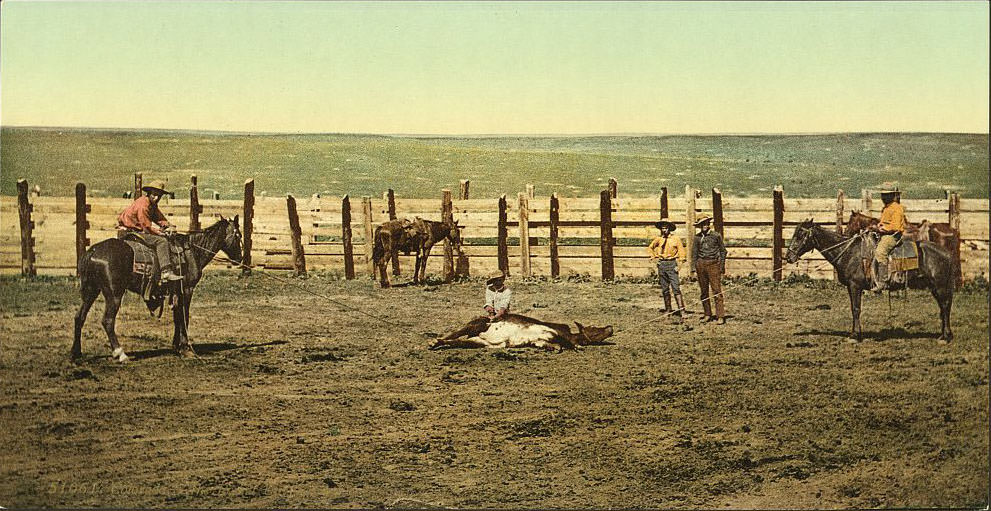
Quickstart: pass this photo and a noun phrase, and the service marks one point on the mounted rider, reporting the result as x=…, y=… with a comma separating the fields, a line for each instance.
x=144, y=217
x=891, y=228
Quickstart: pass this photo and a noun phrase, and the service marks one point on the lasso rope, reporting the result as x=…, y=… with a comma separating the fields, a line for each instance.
x=289, y=282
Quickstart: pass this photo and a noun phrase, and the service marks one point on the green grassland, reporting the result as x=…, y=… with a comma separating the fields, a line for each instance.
x=925, y=165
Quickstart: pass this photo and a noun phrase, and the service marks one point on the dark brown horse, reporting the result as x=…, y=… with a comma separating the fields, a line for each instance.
x=419, y=235
x=107, y=269
x=845, y=253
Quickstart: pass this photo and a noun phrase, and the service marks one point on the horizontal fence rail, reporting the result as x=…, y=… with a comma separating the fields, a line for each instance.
x=603, y=237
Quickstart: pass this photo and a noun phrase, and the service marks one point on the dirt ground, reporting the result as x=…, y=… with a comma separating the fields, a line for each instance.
x=297, y=402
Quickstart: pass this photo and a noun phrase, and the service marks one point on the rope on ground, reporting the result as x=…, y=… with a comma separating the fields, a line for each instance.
x=295, y=284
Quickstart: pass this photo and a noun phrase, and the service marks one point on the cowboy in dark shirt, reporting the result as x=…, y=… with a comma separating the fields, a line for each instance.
x=709, y=262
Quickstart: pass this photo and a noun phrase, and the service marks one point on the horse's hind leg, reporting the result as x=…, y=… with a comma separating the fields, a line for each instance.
x=89, y=296
x=855, y=297
x=945, y=301
x=113, y=302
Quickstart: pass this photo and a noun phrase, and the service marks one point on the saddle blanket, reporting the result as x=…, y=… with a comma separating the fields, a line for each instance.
x=904, y=257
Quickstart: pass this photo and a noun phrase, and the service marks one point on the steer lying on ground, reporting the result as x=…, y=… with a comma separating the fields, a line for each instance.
x=515, y=331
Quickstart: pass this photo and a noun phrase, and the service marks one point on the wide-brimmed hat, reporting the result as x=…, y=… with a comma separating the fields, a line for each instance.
x=495, y=276
x=702, y=220
x=157, y=186
x=665, y=221
x=889, y=188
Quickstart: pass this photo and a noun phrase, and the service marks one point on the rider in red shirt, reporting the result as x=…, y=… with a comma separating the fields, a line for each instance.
x=143, y=216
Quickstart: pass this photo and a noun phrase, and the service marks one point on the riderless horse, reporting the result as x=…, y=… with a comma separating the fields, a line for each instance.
x=107, y=268
x=846, y=254
x=419, y=235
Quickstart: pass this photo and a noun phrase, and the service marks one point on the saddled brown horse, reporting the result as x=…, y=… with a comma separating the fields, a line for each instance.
x=418, y=235
x=935, y=271
x=107, y=269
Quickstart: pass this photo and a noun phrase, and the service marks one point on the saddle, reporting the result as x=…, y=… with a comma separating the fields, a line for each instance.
x=148, y=268
x=902, y=260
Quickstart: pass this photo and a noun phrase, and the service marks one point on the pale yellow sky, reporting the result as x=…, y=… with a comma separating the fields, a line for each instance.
x=514, y=67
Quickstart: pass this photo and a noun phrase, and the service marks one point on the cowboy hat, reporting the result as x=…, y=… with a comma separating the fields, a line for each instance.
x=664, y=221
x=494, y=276
x=156, y=186
x=889, y=188
x=702, y=220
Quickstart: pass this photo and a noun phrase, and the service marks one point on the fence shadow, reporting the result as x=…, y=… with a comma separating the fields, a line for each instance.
x=885, y=334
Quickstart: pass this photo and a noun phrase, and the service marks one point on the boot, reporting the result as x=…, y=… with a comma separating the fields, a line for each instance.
x=667, y=303
x=681, y=308
x=880, y=277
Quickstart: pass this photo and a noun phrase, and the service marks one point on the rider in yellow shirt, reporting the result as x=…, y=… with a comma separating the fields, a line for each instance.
x=892, y=228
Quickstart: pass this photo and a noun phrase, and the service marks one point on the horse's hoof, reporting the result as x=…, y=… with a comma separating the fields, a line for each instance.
x=188, y=353
x=123, y=357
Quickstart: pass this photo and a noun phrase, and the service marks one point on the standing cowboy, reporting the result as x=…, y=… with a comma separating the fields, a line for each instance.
x=667, y=251
x=709, y=262
x=143, y=216
x=892, y=228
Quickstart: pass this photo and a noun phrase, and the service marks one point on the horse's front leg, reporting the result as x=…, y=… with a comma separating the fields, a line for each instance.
x=855, y=296
x=180, y=320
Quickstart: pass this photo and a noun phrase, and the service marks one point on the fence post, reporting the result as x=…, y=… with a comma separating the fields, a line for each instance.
x=194, y=205
x=391, y=198
x=613, y=187
x=606, y=240
x=525, y=233
x=717, y=212
x=954, y=220
x=529, y=191
x=25, y=208
x=137, y=185
x=81, y=223
x=664, y=202
x=247, y=217
x=447, y=216
x=463, y=194
x=366, y=206
x=865, y=201
x=779, y=241
x=840, y=199
x=689, y=223
x=503, y=249
x=298, y=257
x=555, y=216
x=346, y=238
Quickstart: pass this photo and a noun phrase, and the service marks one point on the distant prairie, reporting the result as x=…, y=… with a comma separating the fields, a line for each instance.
x=925, y=165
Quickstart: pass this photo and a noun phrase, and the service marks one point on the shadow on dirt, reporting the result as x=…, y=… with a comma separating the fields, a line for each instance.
x=887, y=334
x=201, y=349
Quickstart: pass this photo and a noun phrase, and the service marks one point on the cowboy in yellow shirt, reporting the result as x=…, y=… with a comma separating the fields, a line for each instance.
x=667, y=250
x=892, y=228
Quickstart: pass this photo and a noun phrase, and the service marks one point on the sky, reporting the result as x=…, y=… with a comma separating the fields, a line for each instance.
x=463, y=68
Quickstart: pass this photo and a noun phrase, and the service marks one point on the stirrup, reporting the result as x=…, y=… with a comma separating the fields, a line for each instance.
x=169, y=276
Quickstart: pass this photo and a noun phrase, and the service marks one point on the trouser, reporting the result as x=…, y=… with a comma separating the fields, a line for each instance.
x=667, y=273
x=161, y=244
x=710, y=272
x=885, y=245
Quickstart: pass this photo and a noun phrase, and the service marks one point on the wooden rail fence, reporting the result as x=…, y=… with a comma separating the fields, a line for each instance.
x=554, y=236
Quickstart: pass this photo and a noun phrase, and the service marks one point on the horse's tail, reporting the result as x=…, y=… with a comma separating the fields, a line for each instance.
x=81, y=266
x=378, y=251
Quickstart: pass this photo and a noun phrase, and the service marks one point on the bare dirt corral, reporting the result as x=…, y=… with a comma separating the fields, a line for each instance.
x=296, y=403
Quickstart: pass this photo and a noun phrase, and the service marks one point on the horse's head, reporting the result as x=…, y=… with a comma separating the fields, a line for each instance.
x=592, y=334
x=802, y=241
x=231, y=244
x=859, y=221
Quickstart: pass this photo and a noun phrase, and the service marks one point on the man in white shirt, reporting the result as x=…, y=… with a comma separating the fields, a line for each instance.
x=497, y=296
